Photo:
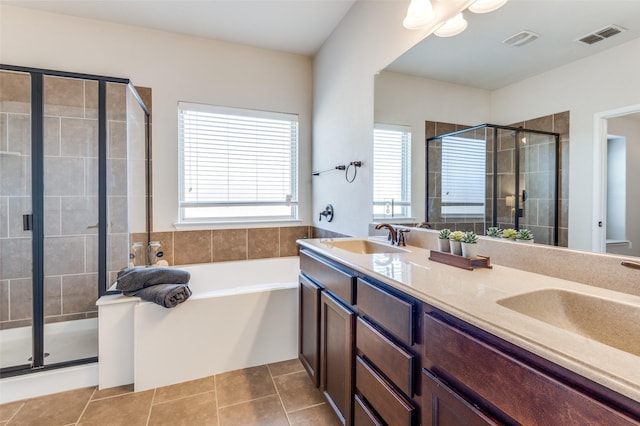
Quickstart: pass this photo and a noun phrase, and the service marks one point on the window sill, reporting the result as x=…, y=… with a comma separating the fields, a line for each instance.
x=267, y=223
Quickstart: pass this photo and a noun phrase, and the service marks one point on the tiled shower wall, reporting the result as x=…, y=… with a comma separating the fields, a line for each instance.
x=70, y=204
x=539, y=165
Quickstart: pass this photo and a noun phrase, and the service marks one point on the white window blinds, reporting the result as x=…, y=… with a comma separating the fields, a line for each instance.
x=237, y=164
x=391, y=171
x=463, y=176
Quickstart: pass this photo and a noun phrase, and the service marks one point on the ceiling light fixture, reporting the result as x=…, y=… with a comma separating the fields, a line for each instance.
x=419, y=14
x=486, y=6
x=452, y=27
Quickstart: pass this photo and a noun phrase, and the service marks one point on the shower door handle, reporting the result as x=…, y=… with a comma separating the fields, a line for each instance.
x=27, y=222
x=525, y=195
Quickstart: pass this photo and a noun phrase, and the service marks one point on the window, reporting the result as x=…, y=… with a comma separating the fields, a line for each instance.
x=463, y=177
x=391, y=171
x=237, y=165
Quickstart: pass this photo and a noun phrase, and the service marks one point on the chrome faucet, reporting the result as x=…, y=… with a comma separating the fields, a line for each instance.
x=395, y=237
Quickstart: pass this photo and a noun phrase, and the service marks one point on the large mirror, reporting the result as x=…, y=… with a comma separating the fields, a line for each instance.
x=587, y=91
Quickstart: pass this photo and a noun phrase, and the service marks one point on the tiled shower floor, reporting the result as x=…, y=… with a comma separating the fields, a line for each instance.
x=272, y=394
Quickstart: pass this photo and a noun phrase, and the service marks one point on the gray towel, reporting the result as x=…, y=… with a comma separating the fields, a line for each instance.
x=132, y=279
x=167, y=295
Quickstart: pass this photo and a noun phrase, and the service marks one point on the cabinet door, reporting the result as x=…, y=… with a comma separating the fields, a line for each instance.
x=309, y=328
x=337, y=325
x=442, y=406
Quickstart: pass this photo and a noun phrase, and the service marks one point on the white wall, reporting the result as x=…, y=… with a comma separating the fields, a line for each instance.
x=369, y=38
x=602, y=82
x=409, y=100
x=630, y=129
x=177, y=68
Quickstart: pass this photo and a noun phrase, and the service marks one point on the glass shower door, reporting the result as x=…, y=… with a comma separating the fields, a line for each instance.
x=70, y=219
x=537, y=185
x=16, y=277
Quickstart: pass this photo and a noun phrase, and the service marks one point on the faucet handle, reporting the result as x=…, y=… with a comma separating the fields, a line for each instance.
x=401, y=240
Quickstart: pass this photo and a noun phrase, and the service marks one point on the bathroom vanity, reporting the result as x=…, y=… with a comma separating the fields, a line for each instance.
x=393, y=338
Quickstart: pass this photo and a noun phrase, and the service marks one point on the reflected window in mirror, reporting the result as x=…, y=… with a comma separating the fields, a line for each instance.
x=391, y=172
x=463, y=177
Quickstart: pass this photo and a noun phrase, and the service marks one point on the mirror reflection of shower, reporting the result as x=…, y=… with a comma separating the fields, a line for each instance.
x=474, y=174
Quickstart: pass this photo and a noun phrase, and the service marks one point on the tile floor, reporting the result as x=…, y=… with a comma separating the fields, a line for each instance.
x=272, y=394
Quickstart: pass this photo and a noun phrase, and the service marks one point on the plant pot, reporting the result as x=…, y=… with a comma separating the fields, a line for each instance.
x=456, y=247
x=470, y=250
x=443, y=245
x=525, y=241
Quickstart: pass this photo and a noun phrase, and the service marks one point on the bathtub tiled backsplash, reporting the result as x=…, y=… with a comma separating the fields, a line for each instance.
x=187, y=247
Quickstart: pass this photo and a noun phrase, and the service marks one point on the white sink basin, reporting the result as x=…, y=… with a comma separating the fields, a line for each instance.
x=606, y=321
x=365, y=246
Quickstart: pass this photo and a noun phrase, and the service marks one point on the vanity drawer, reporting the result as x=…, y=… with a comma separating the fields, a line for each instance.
x=362, y=414
x=521, y=392
x=392, y=407
x=392, y=360
x=390, y=312
x=339, y=282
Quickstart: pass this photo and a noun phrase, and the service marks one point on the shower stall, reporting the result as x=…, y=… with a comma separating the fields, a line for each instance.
x=73, y=182
x=494, y=176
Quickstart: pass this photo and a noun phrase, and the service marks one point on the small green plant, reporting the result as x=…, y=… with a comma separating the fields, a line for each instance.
x=444, y=234
x=470, y=238
x=494, y=232
x=509, y=233
x=456, y=236
x=524, y=234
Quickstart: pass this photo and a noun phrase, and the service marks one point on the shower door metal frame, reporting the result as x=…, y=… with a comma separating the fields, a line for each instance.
x=517, y=131
x=37, y=203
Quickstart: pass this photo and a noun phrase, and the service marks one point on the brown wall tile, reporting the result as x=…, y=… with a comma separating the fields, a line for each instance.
x=263, y=243
x=192, y=247
x=4, y=300
x=229, y=244
x=288, y=237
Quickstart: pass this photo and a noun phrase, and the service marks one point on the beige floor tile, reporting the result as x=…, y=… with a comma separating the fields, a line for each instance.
x=285, y=367
x=127, y=410
x=297, y=391
x=115, y=391
x=244, y=385
x=190, y=411
x=181, y=390
x=319, y=415
x=9, y=410
x=264, y=412
x=53, y=410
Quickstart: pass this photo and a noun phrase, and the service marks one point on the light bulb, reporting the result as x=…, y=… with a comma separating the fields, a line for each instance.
x=419, y=14
x=486, y=6
x=452, y=27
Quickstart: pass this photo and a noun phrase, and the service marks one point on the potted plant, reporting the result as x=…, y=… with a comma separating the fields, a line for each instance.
x=455, y=239
x=524, y=235
x=509, y=233
x=443, y=240
x=470, y=244
x=494, y=232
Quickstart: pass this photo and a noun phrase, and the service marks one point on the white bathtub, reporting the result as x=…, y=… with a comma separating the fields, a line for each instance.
x=241, y=314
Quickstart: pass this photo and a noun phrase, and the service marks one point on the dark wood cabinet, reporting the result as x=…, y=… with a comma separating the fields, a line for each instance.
x=506, y=385
x=382, y=357
x=309, y=328
x=337, y=324
x=442, y=406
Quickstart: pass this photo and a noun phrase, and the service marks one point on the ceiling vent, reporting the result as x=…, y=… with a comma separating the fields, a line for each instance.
x=521, y=38
x=601, y=34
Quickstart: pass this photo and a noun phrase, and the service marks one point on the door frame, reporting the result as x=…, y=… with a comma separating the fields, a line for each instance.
x=599, y=236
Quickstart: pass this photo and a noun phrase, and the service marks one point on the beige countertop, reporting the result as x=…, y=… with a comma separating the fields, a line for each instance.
x=472, y=296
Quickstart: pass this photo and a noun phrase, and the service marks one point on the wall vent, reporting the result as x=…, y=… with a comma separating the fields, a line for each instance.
x=601, y=34
x=521, y=38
